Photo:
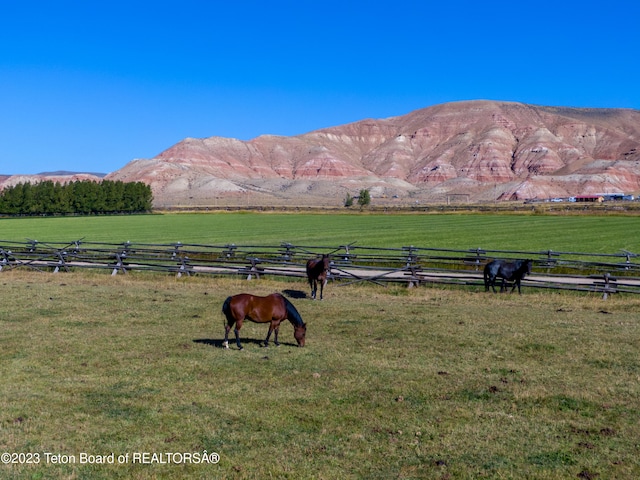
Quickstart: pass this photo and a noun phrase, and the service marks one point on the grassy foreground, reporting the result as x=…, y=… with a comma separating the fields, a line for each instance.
x=393, y=382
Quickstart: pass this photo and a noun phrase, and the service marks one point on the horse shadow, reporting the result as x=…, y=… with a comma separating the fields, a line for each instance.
x=294, y=293
x=214, y=342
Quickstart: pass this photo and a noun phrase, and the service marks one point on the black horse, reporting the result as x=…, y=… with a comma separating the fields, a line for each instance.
x=317, y=270
x=508, y=271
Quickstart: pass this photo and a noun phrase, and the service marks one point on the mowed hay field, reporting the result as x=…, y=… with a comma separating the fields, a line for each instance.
x=393, y=382
x=562, y=233
x=124, y=376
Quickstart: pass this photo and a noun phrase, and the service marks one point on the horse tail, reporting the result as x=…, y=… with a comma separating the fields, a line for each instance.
x=310, y=272
x=292, y=312
x=485, y=273
x=226, y=308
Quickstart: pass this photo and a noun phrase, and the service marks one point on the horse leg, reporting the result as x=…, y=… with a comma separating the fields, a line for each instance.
x=225, y=343
x=488, y=282
x=237, y=332
x=313, y=293
x=266, y=340
x=516, y=283
x=322, y=284
x=273, y=327
x=275, y=340
x=492, y=283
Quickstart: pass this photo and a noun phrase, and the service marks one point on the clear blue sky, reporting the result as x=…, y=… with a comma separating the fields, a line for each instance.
x=90, y=86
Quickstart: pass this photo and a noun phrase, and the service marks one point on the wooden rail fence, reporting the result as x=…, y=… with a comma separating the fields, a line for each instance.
x=590, y=272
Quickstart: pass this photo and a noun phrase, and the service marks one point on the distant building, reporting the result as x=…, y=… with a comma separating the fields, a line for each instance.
x=612, y=197
x=589, y=198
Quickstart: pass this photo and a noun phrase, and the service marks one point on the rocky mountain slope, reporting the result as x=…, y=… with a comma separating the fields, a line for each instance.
x=481, y=150
x=59, y=177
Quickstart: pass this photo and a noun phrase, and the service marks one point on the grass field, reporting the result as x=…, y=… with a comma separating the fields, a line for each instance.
x=597, y=234
x=393, y=383
x=442, y=383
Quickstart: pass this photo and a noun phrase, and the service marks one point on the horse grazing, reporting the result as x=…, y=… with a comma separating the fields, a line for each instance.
x=317, y=270
x=270, y=309
x=508, y=271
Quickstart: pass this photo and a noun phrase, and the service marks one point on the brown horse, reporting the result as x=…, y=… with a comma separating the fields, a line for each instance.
x=317, y=270
x=270, y=309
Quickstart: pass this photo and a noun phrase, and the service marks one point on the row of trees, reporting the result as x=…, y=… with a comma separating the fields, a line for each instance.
x=84, y=197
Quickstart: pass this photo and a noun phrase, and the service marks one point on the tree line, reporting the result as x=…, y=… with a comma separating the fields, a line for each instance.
x=82, y=197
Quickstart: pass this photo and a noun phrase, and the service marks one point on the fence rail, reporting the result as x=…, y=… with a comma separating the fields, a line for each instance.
x=594, y=272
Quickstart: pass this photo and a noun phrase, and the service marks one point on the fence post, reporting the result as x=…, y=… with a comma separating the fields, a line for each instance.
x=478, y=259
x=412, y=257
x=607, y=286
x=61, y=262
x=120, y=258
x=4, y=261
x=412, y=266
x=346, y=256
x=254, y=269
x=119, y=264
x=230, y=250
x=184, y=262
x=288, y=253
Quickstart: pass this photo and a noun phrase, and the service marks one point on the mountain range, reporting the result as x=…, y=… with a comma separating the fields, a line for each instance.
x=472, y=150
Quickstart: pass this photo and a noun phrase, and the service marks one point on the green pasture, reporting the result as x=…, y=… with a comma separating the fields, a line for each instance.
x=404, y=383
x=597, y=234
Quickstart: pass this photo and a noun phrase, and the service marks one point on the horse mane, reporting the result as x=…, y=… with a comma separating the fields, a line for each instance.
x=292, y=313
x=524, y=262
